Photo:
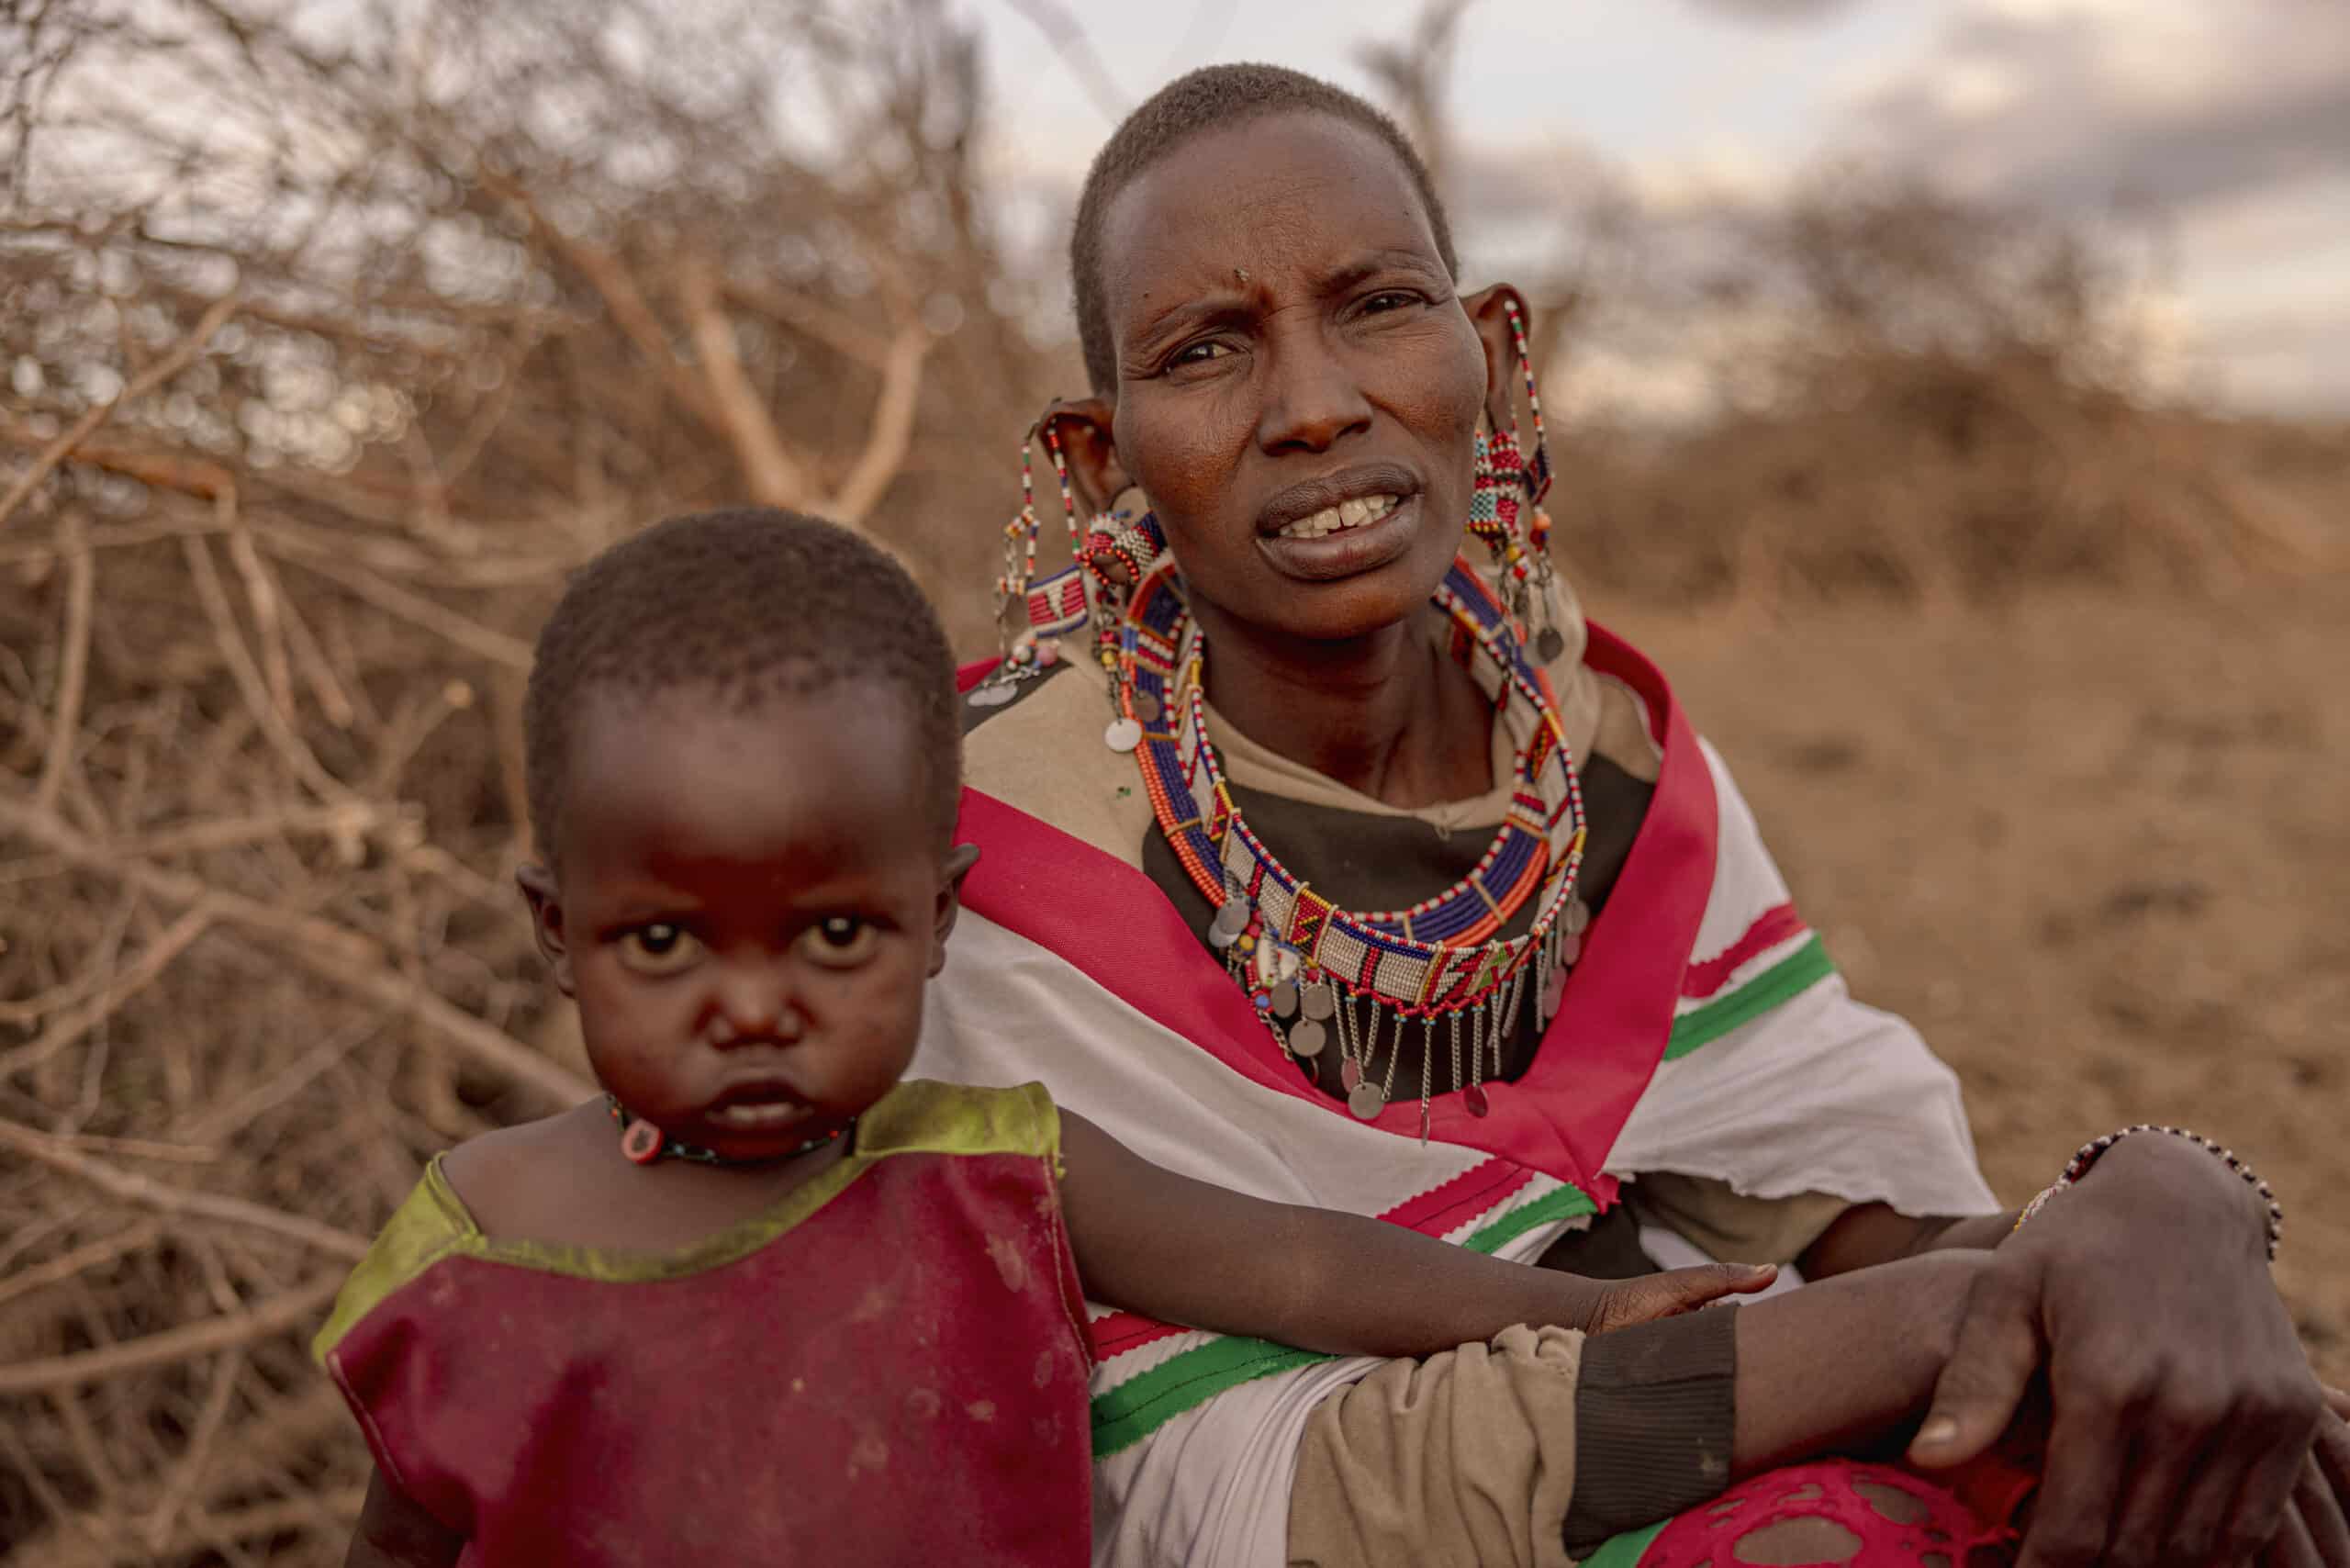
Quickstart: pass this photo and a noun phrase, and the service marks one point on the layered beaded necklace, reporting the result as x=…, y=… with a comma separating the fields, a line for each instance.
x=1306, y=964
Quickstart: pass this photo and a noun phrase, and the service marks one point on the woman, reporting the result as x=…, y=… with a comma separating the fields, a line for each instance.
x=1318, y=865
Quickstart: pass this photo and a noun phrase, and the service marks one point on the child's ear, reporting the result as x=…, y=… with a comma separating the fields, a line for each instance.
x=959, y=861
x=546, y=921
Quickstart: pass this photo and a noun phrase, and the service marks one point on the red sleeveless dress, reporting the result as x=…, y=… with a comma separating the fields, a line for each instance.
x=889, y=1366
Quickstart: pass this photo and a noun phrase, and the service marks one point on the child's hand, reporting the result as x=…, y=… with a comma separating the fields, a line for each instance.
x=1619, y=1304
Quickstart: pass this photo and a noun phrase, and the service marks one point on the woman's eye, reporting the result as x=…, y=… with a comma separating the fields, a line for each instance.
x=1199, y=354
x=659, y=948
x=842, y=941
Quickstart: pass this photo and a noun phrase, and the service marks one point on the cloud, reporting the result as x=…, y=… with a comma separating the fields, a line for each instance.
x=1775, y=10
x=2064, y=102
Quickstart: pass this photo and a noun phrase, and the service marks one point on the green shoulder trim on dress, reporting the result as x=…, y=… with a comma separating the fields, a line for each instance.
x=916, y=1118
x=429, y=1225
x=922, y=1117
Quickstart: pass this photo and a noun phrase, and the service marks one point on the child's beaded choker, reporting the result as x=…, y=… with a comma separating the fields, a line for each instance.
x=645, y=1143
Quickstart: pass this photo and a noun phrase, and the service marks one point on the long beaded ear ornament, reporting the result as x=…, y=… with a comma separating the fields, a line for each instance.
x=1109, y=556
x=1505, y=508
x=1031, y=617
x=644, y=1143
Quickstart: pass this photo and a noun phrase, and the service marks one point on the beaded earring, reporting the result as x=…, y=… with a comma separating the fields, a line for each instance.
x=1506, y=505
x=1110, y=555
x=1030, y=616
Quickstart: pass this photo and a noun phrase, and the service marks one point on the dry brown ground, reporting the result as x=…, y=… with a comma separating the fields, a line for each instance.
x=2097, y=849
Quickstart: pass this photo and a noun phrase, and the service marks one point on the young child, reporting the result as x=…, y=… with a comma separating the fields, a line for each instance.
x=763, y=1302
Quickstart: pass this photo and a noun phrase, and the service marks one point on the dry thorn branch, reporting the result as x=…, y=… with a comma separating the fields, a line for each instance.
x=81, y=587
x=273, y=1316
x=170, y=364
x=769, y=470
x=146, y=1193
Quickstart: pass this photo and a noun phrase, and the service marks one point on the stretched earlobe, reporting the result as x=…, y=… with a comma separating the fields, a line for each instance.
x=1083, y=426
x=540, y=895
x=1489, y=313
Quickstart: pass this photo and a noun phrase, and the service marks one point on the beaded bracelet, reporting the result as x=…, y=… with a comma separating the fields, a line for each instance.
x=2092, y=1151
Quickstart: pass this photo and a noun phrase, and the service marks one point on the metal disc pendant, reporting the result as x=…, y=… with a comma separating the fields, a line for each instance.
x=1350, y=1075
x=1124, y=734
x=1548, y=644
x=1219, y=938
x=1286, y=1001
x=1570, y=948
x=1318, y=1002
x=1145, y=706
x=1232, y=915
x=990, y=694
x=1366, y=1101
x=1306, y=1038
x=1473, y=1099
x=1578, y=917
x=1554, y=991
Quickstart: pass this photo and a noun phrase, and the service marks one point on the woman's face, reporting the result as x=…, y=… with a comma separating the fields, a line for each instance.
x=1298, y=384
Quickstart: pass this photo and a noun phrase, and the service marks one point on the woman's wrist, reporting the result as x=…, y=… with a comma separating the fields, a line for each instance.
x=1847, y=1363
x=2175, y=1176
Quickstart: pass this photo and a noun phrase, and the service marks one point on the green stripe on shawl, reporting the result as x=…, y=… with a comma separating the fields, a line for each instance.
x=1131, y=1411
x=1782, y=981
x=1624, y=1551
x=916, y=1118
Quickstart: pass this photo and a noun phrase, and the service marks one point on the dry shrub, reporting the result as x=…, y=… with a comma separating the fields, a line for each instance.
x=1938, y=399
x=334, y=337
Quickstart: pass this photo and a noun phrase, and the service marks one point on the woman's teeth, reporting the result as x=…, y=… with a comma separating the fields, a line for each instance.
x=1345, y=515
x=751, y=1114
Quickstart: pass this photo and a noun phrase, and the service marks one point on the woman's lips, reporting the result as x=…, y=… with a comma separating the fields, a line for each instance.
x=1310, y=556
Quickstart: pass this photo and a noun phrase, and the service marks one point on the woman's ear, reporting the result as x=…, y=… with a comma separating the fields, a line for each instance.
x=1083, y=427
x=959, y=861
x=1489, y=312
x=546, y=922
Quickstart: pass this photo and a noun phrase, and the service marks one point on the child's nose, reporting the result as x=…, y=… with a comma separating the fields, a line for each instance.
x=755, y=1003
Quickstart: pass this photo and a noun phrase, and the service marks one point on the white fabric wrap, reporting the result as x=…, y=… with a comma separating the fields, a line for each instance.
x=1818, y=1094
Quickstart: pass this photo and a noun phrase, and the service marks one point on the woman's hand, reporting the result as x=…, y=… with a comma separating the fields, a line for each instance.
x=2182, y=1407
x=2315, y=1534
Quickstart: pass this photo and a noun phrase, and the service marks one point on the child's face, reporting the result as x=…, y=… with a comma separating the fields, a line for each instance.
x=748, y=906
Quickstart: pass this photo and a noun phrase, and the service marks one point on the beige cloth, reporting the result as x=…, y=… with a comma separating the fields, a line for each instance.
x=1465, y=1457
x=1729, y=1226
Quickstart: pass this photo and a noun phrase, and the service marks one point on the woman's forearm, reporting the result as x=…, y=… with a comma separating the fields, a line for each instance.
x=1845, y=1362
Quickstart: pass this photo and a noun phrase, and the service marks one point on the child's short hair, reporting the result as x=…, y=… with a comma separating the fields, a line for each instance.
x=744, y=605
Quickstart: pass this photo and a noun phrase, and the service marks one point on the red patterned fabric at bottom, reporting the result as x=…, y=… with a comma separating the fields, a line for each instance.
x=1944, y=1521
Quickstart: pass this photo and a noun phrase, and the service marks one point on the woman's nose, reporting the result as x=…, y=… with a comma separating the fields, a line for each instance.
x=1312, y=398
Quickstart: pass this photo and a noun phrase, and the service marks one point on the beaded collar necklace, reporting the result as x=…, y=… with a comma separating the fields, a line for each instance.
x=1305, y=962
x=645, y=1143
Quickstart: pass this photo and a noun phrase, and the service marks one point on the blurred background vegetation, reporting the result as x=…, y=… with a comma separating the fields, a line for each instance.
x=334, y=335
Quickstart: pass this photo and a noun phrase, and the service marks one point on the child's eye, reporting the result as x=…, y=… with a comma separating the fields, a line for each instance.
x=659, y=948
x=842, y=941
